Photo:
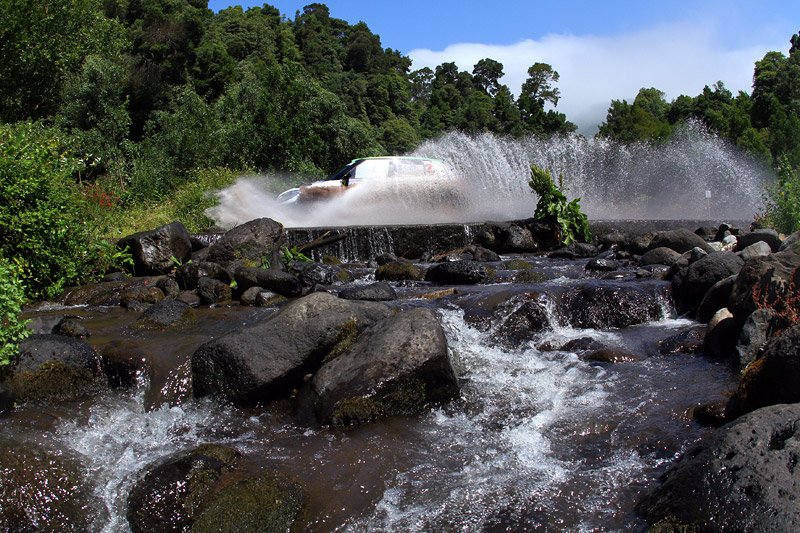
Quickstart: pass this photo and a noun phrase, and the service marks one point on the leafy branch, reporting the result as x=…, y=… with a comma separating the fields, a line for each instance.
x=554, y=208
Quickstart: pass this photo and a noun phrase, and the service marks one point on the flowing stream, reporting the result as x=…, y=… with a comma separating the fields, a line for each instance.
x=538, y=439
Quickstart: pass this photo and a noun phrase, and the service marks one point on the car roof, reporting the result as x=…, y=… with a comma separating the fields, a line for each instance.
x=390, y=157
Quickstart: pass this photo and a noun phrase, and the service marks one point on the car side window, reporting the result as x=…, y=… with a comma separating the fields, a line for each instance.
x=371, y=169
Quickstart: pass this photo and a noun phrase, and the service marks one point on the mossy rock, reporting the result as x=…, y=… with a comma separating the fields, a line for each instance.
x=672, y=525
x=53, y=380
x=145, y=295
x=344, y=276
x=405, y=398
x=264, y=504
x=347, y=338
x=398, y=271
x=529, y=276
x=517, y=264
x=331, y=260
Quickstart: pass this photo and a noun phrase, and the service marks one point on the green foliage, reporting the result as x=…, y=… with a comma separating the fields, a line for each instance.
x=293, y=254
x=783, y=201
x=41, y=227
x=12, y=296
x=553, y=207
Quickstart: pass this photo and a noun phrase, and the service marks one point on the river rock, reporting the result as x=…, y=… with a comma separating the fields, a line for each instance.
x=188, y=275
x=457, y=273
x=518, y=320
x=769, y=236
x=54, y=367
x=518, y=239
x=602, y=265
x=398, y=271
x=42, y=490
x=71, y=326
x=212, y=291
x=741, y=478
x=792, y=242
x=701, y=276
x=396, y=367
x=721, y=335
x=757, y=249
x=252, y=242
x=715, y=298
x=283, y=283
x=610, y=355
x=313, y=274
x=174, y=491
x=611, y=306
x=773, y=274
x=689, y=341
x=575, y=250
x=659, y=256
x=249, y=296
x=379, y=291
x=142, y=295
x=267, y=360
x=156, y=251
x=165, y=314
x=680, y=240
x=760, y=326
x=774, y=377
x=582, y=344
x=7, y=398
x=169, y=287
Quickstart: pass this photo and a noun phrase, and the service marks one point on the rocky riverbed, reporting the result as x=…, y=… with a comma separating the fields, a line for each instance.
x=508, y=384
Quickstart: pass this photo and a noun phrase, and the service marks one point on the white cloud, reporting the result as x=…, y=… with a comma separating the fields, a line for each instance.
x=677, y=59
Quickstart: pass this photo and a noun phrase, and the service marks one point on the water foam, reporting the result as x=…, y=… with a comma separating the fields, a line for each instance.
x=490, y=182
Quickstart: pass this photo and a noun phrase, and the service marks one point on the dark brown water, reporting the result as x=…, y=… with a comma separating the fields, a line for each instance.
x=538, y=439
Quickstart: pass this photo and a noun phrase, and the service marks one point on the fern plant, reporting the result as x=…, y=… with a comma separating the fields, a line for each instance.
x=554, y=208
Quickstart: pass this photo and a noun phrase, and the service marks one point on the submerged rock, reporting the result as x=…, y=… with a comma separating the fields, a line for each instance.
x=520, y=319
x=611, y=306
x=457, y=273
x=165, y=314
x=742, y=478
x=396, y=367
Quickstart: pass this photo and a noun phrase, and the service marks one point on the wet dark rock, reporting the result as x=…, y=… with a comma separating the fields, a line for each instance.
x=395, y=368
x=721, y=335
x=312, y=274
x=283, y=283
x=155, y=251
x=374, y=292
x=725, y=230
x=701, y=276
x=398, y=271
x=659, y=256
x=42, y=490
x=252, y=241
x=602, y=265
x=757, y=249
x=115, y=276
x=54, y=367
x=175, y=491
x=610, y=355
x=518, y=239
x=583, y=344
x=212, y=291
x=269, y=502
x=696, y=254
x=188, y=275
x=189, y=297
x=166, y=314
x=249, y=296
x=653, y=271
x=470, y=252
x=689, y=341
x=760, y=326
x=575, y=250
x=142, y=295
x=269, y=359
x=7, y=398
x=774, y=377
x=518, y=320
x=680, y=240
x=266, y=298
x=772, y=274
x=121, y=361
x=457, y=273
x=169, y=287
x=71, y=326
x=382, y=259
x=712, y=414
x=769, y=236
x=706, y=232
x=741, y=478
x=611, y=306
x=715, y=298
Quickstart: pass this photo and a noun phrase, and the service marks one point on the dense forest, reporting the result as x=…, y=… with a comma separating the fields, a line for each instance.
x=119, y=114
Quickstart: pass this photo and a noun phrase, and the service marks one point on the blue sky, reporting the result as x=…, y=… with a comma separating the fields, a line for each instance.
x=603, y=49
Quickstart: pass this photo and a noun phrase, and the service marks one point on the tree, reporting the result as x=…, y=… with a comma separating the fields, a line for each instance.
x=539, y=89
x=486, y=75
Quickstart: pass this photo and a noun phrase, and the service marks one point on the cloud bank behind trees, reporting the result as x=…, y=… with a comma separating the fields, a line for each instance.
x=676, y=58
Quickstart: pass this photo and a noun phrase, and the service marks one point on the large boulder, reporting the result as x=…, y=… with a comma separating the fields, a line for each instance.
x=269, y=359
x=278, y=281
x=457, y=273
x=251, y=242
x=774, y=377
x=42, y=490
x=660, y=256
x=760, y=327
x=156, y=251
x=52, y=367
x=715, y=298
x=611, y=306
x=769, y=236
x=380, y=291
x=701, y=276
x=188, y=275
x=769, y=277
x=741, y=478
x=680, y=240
x=395, y=368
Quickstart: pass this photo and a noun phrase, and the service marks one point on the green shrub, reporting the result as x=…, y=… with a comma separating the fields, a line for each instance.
x=554, y=208
x=42, y=231
x=783, y=201
x=12, y=329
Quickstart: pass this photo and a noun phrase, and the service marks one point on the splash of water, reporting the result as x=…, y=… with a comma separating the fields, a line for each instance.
x=696, y=175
